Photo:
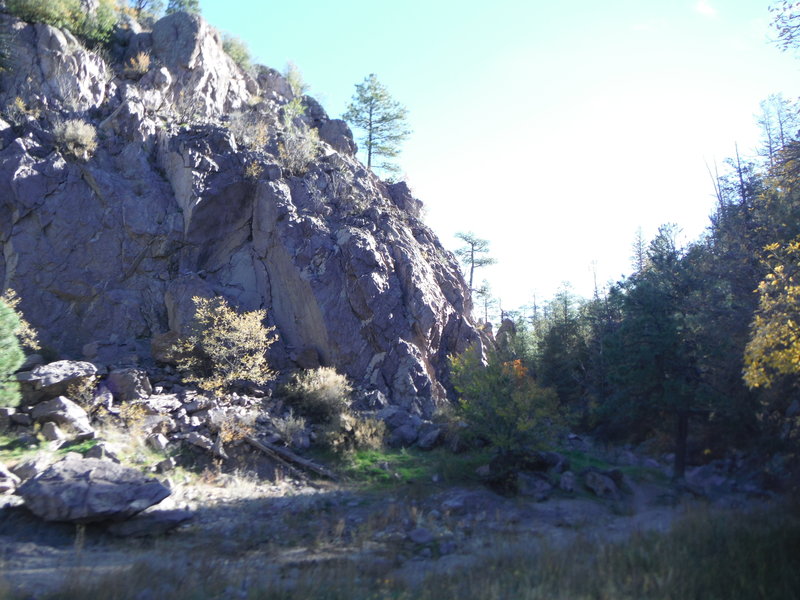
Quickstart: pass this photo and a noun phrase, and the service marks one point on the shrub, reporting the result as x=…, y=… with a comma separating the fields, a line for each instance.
x=11, y=356
x=249, y=129
x=348, y=432
x=222, y=347
x=237, y=49
x=18, y=112
x=501, y=403
x=94, y=28
x=235, y=427
x=323, y=395
x=138, y=65
x=253, y=170
x=288, y=426
x=319, y=394
x=26, y=334
x=76, y=139
x=300, y=144
x=295, y=79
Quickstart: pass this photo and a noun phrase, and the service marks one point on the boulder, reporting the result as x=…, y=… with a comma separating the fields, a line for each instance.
x=102, y=450
x=403, y=436
x=429, y=438
x=166, y=465
x=89, y=489
x=150, y=523
x=129, y=384
x=5, y=417
x=31, y=467
x=600, y=485
x=19, y=418
x=421, y=535
x=200, y=441
x=534, y=485
x=566, y=483
x=337, y=133
x=53, y=379
x=63, y=411
x=52, y=433
x=8, y=481
x=157, y=442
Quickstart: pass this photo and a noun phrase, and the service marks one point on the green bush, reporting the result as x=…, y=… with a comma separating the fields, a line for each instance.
x=501, y=403
x=237, y=49
x=11, y=356
x=222, y=347
x=93, y=28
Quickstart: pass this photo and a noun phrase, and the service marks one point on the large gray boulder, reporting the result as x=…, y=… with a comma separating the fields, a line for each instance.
x=90, y=489
x=53, y=379
x=8, y=481
x=63, y=411
x=205, y=79
x=129, y=384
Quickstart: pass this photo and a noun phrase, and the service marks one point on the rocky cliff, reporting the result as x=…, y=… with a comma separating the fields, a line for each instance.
x=187, y=194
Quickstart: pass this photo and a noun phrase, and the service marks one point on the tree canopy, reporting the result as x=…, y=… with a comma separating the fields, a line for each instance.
x=473, y=254
x=382, y=120
x=190, y=6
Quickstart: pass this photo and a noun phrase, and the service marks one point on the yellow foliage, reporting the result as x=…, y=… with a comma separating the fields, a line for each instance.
x=223, y=346
x=26, y=334
x=774, y=349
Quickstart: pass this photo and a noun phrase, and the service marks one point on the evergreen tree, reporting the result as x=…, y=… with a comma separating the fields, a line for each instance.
x=562, y=356
x=473, y=253
x=11, y=356
x=382, y=119
x=652, y=354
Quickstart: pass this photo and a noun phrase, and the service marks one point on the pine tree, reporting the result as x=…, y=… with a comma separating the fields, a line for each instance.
x=11, y=356
x=382, y=119
x=473, y=253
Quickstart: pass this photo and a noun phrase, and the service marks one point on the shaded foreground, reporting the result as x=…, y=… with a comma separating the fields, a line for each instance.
x=707, y=554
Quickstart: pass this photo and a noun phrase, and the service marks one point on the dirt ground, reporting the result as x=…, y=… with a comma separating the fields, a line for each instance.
x=407, y=533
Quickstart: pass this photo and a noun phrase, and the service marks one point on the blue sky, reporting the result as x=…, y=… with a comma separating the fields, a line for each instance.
x=554, y=130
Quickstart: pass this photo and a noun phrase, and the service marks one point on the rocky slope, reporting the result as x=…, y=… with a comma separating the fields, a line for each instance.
x=187, y=194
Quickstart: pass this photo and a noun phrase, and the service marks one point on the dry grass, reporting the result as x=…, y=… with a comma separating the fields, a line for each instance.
x=76, y=139
x=138, y=65
x=722, y=556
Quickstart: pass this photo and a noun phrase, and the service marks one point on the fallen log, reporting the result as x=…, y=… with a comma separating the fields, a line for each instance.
x=290, y=459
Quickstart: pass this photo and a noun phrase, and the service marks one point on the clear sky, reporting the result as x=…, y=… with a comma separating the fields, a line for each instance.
x=552, y=129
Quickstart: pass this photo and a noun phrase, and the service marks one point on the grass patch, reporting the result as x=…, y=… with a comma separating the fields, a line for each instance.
x=79, y=447
x=580, y=460
x=13, y=448
x=383, y=469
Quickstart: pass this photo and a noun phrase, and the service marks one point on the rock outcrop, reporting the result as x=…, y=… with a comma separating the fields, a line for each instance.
x=180, y=199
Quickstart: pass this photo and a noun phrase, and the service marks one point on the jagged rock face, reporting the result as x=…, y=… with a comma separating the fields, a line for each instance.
x=111, y=251
x=51, y=69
